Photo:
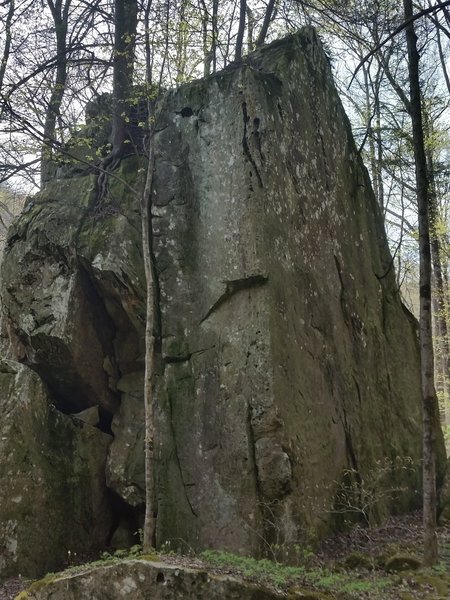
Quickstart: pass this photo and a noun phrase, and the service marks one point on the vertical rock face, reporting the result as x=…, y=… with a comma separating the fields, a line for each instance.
x=288, y=379
x=72, y=307
x=53, y=496
x=290, y=360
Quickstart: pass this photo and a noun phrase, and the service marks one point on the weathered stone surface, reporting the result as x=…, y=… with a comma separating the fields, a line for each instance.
x=53, y=495
x=125, y=468
x=73, y=308
x=142, y=579
x=285, y=360
x=289, y=356
x=57, y=322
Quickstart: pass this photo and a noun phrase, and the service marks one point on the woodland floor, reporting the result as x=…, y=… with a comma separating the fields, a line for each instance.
x=345, y=566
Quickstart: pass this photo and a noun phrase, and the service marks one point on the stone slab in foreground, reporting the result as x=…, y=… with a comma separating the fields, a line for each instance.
x=142, y=579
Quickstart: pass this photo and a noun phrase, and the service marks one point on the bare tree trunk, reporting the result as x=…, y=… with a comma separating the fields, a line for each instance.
x=209, y=43
x=215, y=34
x=265, y=26
x=369, y=128
x=439, y=309
x=379, y=145
x=425, y=322
x=125, y=24
x=148, y=49
x=250, y=28
x=8, y=39
x=60, y=17
x=207, y=48
x=182, y=40
x=149, y=404
x=241, y=30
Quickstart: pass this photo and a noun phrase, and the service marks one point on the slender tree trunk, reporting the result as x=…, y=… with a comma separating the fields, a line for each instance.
x=149, y=402
x=207, y=55
x=125, y=24
x=8, y=39
x=369, y=116
x=265, y=26
x=60, y=17
x=209, y=43
x=250, y=28
x=241, y=30
x=182, y=38
x=151, y=282
x=425, y=322
x=442, y=57
x=441, y=336
x=148, y=48
x=215, y=34
x=379, y=145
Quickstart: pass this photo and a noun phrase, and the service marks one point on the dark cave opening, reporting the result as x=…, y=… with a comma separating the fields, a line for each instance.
x=127, y=522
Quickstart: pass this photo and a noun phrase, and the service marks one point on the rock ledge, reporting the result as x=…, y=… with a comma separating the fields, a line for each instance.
x=140, y=579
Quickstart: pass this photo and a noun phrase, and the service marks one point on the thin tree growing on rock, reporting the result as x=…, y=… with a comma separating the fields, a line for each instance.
x=149, y=404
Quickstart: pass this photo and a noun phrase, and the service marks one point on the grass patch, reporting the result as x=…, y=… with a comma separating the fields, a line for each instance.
x=351, y=584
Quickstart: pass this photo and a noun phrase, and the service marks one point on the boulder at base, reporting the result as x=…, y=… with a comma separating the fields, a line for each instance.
x=142, y=579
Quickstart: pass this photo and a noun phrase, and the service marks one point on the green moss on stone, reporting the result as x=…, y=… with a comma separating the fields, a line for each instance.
x=151, y=557
x=402, y=562
x=40, y=584
x=357, y=560
x=23, y=596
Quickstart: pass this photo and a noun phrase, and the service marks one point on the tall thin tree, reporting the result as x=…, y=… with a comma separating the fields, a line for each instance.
x=425, y=319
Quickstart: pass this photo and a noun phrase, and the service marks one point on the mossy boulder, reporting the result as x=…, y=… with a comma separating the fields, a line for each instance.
x=358, y=560
x=402, y=562
x=141, y=579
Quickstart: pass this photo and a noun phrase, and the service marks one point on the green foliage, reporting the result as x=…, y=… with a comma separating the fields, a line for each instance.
x=320, y=578
x=253, y=568
x=357, y=560
x=440, y=568
x=313, y=582
x=121, y=554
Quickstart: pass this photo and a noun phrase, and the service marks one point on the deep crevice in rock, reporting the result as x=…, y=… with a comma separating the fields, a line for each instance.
x=177, y=457
x=127, y=521
x=245, y=145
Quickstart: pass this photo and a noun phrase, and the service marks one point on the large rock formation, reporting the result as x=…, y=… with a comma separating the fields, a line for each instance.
x=288, y=377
